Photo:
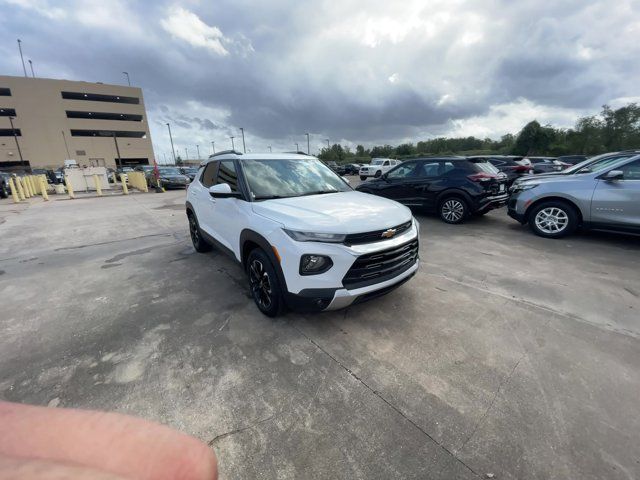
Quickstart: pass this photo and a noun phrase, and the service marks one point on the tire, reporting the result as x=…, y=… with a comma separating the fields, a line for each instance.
x=378, y=174
x=363, y=178
x=199, y=243
x=553, y=219
x=263, y=284
x=453, y=210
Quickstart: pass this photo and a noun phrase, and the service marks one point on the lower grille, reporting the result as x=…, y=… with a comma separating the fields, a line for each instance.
x=380, y=266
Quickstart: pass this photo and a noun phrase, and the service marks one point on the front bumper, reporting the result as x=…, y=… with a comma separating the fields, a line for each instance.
x=493, y=202
x=515, y=209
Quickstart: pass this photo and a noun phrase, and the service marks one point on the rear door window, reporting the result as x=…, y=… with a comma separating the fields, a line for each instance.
x=428, y=169
x=227, y=174
x=209, y=174
x=631, y=170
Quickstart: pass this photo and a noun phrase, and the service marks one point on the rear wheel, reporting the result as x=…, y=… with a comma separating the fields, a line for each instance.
x=264, y=284
x=453, y=210
x=553, y=219
x=363, y=178
x=378, y=174
x=199, y=243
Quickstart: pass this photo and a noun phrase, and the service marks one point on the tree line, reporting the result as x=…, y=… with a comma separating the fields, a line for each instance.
x=608, y=131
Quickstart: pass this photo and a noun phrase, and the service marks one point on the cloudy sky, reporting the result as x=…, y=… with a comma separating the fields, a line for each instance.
x=368, y=72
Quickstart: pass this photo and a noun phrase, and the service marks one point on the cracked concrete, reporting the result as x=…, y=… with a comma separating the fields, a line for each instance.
x=507, y=353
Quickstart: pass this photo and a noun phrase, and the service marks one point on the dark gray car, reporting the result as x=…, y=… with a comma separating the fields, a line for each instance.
x=602, y=195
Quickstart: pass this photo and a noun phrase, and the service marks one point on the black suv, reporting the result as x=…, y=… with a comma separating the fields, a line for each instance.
x=4, y=184
x=453, y=187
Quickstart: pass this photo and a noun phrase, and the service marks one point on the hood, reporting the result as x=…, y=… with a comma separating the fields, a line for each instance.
x=343, y=212
x=544, y=179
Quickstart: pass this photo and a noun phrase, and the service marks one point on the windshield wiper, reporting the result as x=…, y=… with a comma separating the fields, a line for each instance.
x=318, y=192
x=271, y=197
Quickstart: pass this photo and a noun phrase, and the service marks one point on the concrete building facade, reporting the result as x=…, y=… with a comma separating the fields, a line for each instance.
x=54, y=120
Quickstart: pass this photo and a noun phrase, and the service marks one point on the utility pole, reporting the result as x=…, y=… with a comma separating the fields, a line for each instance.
x=213, y=146
x=270, y=149
x=21, y=57
x=297, y=148
x=233, y=147
x=32, y=72
x=128, y=79
x=244, y=147
x=15, y=136
x=115, y=140
x=308, y=149
x=327, y=140
x=64, y=138
x=173, y=150
x=186, y=153
x=198, y=149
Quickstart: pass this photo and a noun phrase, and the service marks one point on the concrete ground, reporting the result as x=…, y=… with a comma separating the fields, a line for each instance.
x=506, y=354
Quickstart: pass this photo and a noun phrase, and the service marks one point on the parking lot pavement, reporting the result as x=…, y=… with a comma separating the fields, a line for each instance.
x=506, y=354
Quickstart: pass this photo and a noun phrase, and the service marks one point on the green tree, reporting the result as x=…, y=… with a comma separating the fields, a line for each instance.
x=533, y=139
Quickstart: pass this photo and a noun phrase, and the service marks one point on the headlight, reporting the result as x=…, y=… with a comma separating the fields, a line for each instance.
x=315, y=237
x=314, y=264
x=520, y=187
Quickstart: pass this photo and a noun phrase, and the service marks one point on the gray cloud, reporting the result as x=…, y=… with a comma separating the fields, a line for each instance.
x=370, y=72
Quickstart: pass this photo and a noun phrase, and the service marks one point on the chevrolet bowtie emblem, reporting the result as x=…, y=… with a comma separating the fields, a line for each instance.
x=389, y=233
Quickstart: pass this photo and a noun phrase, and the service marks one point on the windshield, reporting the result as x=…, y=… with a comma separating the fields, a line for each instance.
x=190, y=170
x=377, y=161
x=169, y=171
x=290, y=178
x=594, y=164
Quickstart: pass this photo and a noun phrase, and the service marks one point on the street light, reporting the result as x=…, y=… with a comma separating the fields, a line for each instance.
x=128, y=80
x=198, y=149
x=173, y=150
x=186, y=153
x=297, y=148
x=327, y=140
x=15, y=136
x=270, y=151
x=21, y=57
x=308, y=149
x=244, y=147
x=213, y=146
x=233, y=147
x=32, y=72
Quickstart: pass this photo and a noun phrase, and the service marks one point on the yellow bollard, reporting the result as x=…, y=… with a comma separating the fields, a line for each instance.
x=14, y=191
x=69, y=187
x=115, y=178
x=43, y=190
x=25, y=185
x=32, y=185
x=98, y=185
x=125, y=189
x=20, y=189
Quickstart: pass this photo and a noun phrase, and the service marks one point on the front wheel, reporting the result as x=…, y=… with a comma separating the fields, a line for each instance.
x=378, y=174
x=263, y=283
x=363, y=178
x=199, y=243
x=453, y=210
x=553, y=219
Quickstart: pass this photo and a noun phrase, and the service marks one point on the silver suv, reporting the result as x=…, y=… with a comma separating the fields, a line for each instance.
x=603, y=194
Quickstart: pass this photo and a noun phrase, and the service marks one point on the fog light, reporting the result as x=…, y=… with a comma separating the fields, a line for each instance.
x=314, y=264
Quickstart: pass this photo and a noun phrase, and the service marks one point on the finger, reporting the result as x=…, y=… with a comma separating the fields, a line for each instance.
x=27, y=469
x=115, y=443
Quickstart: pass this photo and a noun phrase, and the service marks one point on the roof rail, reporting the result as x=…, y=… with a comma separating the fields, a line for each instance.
x=300, y=153
x=226, y=152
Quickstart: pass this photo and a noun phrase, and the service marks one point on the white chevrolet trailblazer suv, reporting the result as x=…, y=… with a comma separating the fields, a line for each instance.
x=306, y=240
x=377, y=167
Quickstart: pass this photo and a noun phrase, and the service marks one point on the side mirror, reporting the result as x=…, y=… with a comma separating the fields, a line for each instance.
x=614, y=175
x=222, y=190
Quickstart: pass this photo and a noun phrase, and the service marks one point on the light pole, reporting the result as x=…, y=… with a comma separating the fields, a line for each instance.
x=233, y=146
x=15, y=136
x=270, y=149
x=308, y=149
x=297, y=148
x=213, y=146
x=198, y=150
x=21, y=57
x=173, y=150
x=128, y=79
x=186, y=153
x=32, y=72
x=115, y=140
x=244, y=146
x=327, y=140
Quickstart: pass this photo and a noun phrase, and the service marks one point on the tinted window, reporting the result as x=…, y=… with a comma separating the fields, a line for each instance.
x=403, y=171
x=631, y=170
x=209, y=174
x=446, y=167
x=428, y=169
x=227, y=174
x=386, y=164
x=485, y=167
